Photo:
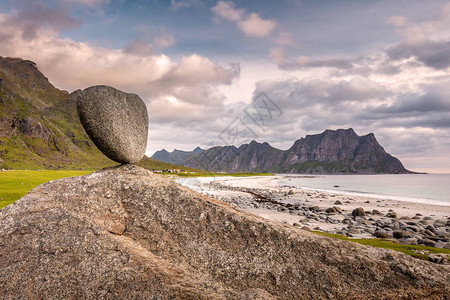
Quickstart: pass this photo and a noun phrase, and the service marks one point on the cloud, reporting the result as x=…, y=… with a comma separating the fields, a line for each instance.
x=426, y=40
x=227, y=11
x=164, y=40
x=145, y=46
x=250, y=24
x=184, y=4
x=253, y=25
x=192, y=80
x=139, y=47
x=285, y=39
x=90, y=3
x=435, y=99
x=194, y=70
x=398, y=21
x=279, y=57
x=33, y=16
x=298, y=94
x=431, y=53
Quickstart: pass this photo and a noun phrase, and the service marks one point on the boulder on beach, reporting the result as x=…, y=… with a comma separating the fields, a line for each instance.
x=116, y=122
x=382, y=234
x=126, y=233
x=392, y=214
x=358, y=212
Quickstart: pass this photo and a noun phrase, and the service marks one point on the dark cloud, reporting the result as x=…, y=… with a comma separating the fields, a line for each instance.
x=32, y=16
x=339, y=63
x=296, y=94
x=432, y=101
x=435, y=54
x=279, y=57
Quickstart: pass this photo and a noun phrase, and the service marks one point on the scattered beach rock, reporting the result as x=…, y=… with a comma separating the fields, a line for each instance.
x=382, y=234
x=337, y=209
x=115, y=121
x=315, y=208
x=337, y=202
x=441, y=244
x=392, y=214
x=437, y=258
x=331, y=210
x=358, y=212
x=427, y=242
x=376, y=212
x=398, y=234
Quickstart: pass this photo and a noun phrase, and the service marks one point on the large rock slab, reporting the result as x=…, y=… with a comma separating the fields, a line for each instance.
x=125, y=233
x=116, y=122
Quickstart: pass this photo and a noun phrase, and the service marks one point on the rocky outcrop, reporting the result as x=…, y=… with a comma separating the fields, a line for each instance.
x=127, y=233
x=333, y=151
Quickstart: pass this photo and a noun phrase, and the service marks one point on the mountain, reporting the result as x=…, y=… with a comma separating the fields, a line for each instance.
x=333, y=151
x=39, y=125
x=126, y=233
x=253, y=157
x=176, y=156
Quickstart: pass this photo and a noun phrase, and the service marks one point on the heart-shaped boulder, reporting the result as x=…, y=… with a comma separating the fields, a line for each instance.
x=116, y=122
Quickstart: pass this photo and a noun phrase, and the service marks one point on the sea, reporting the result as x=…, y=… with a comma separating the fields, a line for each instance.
x=422, y=188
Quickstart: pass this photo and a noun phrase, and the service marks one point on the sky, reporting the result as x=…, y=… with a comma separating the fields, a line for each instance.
x=228, y=72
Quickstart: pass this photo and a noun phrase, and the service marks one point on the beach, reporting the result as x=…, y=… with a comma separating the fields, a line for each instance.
x=355, y=216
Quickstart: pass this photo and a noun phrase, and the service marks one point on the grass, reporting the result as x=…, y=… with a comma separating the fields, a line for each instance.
x=212, y=174
x=15, y=184
x=418, y=251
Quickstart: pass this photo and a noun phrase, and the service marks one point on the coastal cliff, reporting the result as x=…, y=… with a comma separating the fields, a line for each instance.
x=333, y=151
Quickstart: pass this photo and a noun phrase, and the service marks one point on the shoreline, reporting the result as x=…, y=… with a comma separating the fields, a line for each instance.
x=406, y=222
x=378, y=196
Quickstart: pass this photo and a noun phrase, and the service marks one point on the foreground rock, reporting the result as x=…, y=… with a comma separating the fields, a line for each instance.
x=116, y=122
x=127, y=233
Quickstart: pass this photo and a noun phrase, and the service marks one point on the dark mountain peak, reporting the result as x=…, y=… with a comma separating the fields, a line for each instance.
x=230, y=147
x=24, y=78
x=176, y=151
x=198, y=150
x=370, y=136
x=254, y=144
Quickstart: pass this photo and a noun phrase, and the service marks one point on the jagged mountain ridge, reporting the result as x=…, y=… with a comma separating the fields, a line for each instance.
x=176, y=156
x=333, y=151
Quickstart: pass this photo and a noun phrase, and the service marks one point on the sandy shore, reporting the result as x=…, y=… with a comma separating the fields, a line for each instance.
x=406, y=222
